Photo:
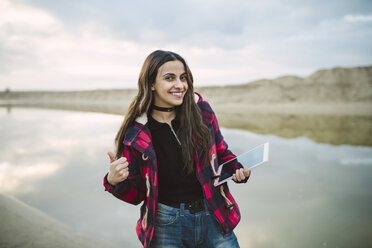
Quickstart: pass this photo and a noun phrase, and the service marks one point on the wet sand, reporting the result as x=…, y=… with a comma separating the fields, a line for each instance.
x=34, y=229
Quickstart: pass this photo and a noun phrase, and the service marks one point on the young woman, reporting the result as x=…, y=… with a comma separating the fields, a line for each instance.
x=167, y=152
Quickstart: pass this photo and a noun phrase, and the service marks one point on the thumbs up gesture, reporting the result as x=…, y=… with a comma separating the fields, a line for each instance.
x=118, y=171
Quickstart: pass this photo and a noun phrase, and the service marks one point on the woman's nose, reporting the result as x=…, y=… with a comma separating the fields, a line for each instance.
x=178, y=84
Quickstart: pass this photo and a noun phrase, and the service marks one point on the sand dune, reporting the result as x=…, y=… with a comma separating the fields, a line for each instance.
x=338, y=85
x=24, y=226
x=326, y=87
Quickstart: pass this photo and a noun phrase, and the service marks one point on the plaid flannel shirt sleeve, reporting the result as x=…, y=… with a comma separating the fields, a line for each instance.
x=132, y=189
x=223, y=152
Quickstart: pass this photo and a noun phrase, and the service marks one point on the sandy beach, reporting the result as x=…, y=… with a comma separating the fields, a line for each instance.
x=28, y=227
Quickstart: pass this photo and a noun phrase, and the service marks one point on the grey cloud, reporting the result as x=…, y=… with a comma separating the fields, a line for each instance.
x=176, y=19
x=293, y=35
x=230, y=24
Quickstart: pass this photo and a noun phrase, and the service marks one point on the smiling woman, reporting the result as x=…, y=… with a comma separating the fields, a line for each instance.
x=167, y=152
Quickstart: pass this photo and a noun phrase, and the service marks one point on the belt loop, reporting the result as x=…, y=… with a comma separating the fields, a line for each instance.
x=206, y=206
x=182, y=209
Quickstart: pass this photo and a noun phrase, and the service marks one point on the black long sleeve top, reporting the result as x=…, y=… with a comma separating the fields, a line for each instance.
x=174, y=185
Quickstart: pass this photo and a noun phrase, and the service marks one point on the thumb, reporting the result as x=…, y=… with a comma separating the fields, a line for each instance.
x=111, y=156
x=246, y=171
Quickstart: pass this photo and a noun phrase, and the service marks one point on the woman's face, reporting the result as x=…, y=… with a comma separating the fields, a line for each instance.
x=170, y=85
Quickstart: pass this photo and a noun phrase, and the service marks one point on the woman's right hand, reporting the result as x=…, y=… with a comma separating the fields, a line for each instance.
x=118, y=169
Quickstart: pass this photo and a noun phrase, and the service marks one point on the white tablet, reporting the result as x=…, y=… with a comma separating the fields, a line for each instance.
x=251, y=159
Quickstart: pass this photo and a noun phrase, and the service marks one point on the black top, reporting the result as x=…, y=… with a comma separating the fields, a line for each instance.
x=174, y=185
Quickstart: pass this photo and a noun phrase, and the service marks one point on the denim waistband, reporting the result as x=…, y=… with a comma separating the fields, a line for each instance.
x=183, y=207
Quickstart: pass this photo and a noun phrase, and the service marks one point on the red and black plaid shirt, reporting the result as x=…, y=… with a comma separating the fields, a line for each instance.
x=140, y=153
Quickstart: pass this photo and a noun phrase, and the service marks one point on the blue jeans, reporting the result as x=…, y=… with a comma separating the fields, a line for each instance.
x=177, y=227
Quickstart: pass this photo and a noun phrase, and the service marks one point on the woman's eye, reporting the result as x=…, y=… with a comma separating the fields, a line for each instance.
x=169, y=78
x=183, y=78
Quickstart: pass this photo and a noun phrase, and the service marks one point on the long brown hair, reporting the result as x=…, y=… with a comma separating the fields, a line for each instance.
x=193, y=133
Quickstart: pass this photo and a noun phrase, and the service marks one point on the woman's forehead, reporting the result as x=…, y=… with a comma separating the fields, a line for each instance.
x=174, y=67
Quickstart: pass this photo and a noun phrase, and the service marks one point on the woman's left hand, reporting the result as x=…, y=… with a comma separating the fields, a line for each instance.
x=241, y=174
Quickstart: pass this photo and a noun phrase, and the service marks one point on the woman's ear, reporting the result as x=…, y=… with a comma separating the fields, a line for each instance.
x=152, y=87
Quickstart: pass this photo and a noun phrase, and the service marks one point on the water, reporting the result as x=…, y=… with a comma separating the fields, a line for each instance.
x=307, y=195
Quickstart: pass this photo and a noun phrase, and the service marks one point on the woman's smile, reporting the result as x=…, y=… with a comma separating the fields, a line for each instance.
x=178, y=94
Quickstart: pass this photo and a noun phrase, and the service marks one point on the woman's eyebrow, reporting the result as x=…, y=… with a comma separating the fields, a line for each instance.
x=169, y=74
x=173, y=74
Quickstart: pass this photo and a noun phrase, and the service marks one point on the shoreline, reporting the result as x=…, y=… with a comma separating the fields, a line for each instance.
x=336, y=124
x=25, y=226
x=76, y=102
x=324, y=119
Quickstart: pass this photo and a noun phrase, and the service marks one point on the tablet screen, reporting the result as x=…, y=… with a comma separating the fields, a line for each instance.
x=251, y=159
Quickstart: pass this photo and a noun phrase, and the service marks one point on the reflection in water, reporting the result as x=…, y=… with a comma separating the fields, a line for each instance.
x=14, y=176
x=334, y=129
x=331, y=129
x=307, y=195
x=97, y=107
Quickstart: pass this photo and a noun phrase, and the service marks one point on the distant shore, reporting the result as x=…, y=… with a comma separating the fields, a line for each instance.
x=335, y=123
x=118, y=101
x=331, y=106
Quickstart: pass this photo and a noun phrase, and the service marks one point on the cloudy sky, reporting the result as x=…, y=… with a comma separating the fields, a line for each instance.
x=101, y=44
